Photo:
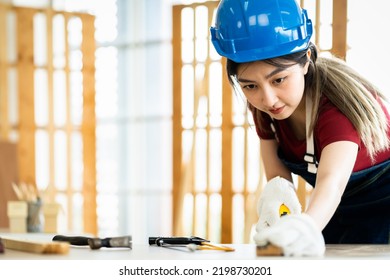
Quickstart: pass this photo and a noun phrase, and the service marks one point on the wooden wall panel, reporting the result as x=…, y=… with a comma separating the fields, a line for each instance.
x=177, y=165
x=185, y=180
x=25, y=130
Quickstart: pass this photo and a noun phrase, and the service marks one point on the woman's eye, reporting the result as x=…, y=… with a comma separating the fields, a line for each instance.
x=249, y=87
x=279, y=80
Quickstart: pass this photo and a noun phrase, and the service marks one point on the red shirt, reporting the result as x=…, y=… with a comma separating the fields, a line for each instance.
x=332, y=126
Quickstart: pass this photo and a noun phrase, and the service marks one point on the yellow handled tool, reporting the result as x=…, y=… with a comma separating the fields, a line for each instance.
x=283, y=210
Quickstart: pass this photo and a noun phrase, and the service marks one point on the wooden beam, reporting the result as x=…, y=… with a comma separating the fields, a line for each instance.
x=339, y=26
x=177, y=195
x=51, y=191
x=4, y=107
x=25, y=70
x=69, y=190
x=227, y=159
x=301, y=192
x=88, y=48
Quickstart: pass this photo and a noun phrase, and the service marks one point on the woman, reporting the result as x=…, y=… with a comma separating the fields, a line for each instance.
x=316, y=118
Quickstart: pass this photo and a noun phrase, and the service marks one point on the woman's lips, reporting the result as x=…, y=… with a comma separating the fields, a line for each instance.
x=277, y=110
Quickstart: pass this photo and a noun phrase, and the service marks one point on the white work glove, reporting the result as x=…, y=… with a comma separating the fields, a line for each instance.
x=297, y=235
x=276, y=192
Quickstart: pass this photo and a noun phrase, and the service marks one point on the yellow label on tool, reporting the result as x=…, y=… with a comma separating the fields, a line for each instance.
x=283, y=210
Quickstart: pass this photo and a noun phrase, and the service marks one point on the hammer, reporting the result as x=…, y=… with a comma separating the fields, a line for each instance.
x=97, y=243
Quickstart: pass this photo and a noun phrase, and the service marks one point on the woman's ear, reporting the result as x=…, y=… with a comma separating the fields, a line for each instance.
x=306, y=67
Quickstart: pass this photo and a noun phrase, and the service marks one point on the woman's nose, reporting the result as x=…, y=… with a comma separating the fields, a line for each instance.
x=268, y=97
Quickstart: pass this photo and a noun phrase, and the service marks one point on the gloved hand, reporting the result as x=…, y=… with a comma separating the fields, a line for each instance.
x=296, y=234
x=276, y=192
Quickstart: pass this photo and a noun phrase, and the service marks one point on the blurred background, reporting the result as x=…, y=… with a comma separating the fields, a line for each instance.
x=119, y=110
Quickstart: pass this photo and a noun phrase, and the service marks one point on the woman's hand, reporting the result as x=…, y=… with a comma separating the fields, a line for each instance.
x=297, y=235
x=277, y=192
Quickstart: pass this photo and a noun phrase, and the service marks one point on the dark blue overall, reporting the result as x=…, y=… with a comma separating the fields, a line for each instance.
x=363, y=216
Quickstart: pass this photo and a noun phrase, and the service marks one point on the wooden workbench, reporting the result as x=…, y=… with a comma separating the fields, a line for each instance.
x=147, y=252
x=242, y=252
x=350, y=261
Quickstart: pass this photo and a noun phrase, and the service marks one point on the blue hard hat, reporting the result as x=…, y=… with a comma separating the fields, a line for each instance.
x=250, y=30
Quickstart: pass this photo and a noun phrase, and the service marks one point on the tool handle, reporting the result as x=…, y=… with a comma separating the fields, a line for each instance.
x=73, y=240
x=161, y=241
x=97, y=243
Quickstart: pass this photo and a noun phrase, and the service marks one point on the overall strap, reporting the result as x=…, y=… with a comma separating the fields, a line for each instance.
x=310, y=157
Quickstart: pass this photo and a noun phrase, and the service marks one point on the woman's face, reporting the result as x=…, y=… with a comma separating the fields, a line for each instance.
x=273, y=90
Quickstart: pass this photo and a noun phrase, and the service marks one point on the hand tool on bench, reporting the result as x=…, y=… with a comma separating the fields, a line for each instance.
x=97, y=243
x=192, y=243
x=35, y=246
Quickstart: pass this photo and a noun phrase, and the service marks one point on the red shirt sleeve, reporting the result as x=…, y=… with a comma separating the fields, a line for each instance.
x=334, y=126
